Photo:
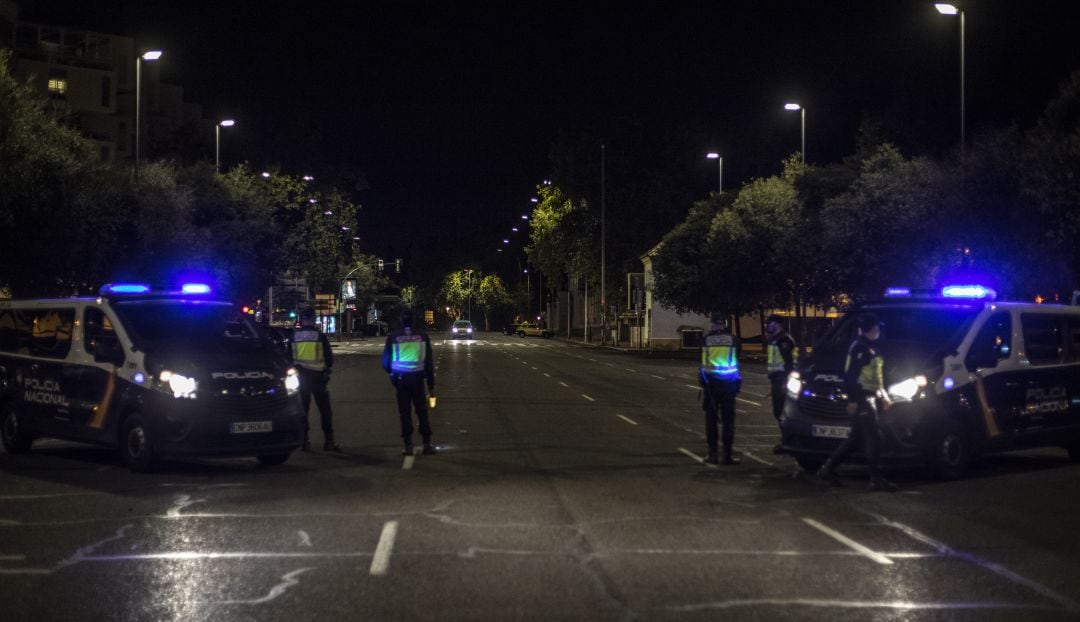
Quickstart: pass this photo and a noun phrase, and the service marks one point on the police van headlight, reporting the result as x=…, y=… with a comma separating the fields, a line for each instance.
x=179, y=384
x=794, y=384
x=907, y=389
x=292, y=381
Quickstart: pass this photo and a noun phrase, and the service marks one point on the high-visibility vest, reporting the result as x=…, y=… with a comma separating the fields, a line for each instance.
x=776, y=360
x=719, y=358
x=307, y=349
x=408, y=354
x=872, y=375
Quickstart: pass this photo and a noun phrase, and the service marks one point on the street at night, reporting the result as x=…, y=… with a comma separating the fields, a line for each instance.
x=568, y=485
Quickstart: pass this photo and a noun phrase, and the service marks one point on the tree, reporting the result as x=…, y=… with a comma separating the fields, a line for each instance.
x=458, y=290
x=492, y=296
x=684, y=264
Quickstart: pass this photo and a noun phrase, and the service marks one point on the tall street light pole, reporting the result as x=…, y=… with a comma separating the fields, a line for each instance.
x=603, y=240
x=217, y=141
x=802, y=122
x=946, y=8
x=712, y=155
x=149, y=56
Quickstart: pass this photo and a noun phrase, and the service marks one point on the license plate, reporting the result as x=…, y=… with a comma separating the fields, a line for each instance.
x=830, y=431
x=248, y=427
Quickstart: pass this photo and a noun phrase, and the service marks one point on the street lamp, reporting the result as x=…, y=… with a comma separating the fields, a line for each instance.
x=712, y=155
x=946, y=8
x=149, y=56
x=802, y=115
x=217, y=141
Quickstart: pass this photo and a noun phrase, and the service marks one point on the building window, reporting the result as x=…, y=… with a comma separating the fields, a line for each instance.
x=106, y=91
x=58, y=83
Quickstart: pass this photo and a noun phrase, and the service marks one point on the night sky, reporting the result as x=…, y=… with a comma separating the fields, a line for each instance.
x=450, y=108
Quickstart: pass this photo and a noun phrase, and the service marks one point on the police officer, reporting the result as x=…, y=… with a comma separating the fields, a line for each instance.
x=313, y=359
x=720, y=383
x=782, y=352
x=864, y=384
x=407, y=358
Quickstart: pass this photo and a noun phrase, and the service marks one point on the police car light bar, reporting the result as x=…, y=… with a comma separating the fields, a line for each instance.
x=968, y=291
x=195, y=288
x=898, y=292
x=125, y=288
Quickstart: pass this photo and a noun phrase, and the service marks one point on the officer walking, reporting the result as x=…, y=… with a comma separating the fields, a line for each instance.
x=720, y=383
x=864, y=384
x=407, y=358
x=782, y=352
x=313, y=359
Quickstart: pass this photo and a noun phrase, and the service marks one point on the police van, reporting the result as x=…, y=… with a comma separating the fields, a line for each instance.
x=967, y=375
x=154, y=374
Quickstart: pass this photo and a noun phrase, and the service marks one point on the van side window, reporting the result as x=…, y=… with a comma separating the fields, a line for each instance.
x=50, y=331
x=98, y=332
x=1044, y=342
x=992, y=344
x=14, y=332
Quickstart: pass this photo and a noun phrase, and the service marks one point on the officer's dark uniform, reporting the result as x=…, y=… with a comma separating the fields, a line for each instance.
x=782, y=352
x=720, y=383
x=407, y=358
x=864, y=383
x=313, y=358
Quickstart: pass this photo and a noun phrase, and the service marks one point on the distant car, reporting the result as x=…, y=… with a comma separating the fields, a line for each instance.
x=532, y=330
x=462, y=329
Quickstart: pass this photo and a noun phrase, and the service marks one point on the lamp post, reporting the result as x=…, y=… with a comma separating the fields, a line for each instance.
x=802, y=122
x=217, y=141
x=603, y=249
x=148, y=56
x=712, y=155
x=946, y=8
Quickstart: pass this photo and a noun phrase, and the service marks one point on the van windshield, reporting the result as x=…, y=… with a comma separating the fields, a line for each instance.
x=203, y=326
x=911, y=334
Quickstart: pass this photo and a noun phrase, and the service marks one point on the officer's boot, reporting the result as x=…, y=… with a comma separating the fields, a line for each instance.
x=712, y=457
x=330, y=445
x=429, y=449
x=826, y=475
x=408, y=447
x=878, y=483
x=728, y=460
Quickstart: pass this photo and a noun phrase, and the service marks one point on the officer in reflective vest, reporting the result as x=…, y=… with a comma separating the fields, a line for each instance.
x=313, y=359
x=864, y=384
x=720, y=383
x=407, y=358
x=782, y=353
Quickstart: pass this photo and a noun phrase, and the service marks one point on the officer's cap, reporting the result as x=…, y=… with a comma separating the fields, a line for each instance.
x=867, y=321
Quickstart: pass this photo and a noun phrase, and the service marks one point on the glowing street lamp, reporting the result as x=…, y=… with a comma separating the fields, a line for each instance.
x=217, y=141
x=149, y=56
x=712, y=155
x=947, y=8
x=802, y=114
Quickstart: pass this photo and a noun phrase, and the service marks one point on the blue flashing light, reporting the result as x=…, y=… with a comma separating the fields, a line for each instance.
x=195, y=288
x=139, y=377
x=948, y=383
x=127, y=288
x=968, y=291
x=898, y=292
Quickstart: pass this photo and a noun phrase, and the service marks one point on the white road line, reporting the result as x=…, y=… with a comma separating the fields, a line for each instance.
x=691, y=386
x=754, y=457
x=658, y=377
x=591, y=399
x=696, y=457
x=563, y=383
x=305, y=538
x=19, y=558
x=381, y=562
x=853, y=545
x=632, y=371
x=287, y=581
x=627, y=419
x=407, y=464
x=748, y=401
x=610, y=364
x=547, y=375
x=535, y=369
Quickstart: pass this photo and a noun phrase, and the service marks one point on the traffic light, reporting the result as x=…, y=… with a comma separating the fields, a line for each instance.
x=246, y=310
x=292, y=315
x=397, y=265
x=381, y=264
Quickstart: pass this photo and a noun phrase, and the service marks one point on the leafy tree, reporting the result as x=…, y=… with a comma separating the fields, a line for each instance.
x=459, y=289
x=684, y=265
x=492, y=296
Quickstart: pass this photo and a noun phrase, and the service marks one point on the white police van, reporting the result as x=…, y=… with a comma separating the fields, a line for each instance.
x=967, y=375
x=155, y=374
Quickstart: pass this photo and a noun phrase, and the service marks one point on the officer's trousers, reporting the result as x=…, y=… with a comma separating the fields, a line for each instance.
x=865, y=432
x=719, y=404
x=778, y=383
x=313, y=384
x=411, y=394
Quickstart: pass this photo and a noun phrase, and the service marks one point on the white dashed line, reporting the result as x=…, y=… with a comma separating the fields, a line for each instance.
x=591, y=399
x=563, y=383
x=853, y=545
x=381, y=562
x=535, y=369
x=691, y=386
x=407, y=464
x=696, y=457
x=627, y=419
x=547, y=375
x=632, y=371
x=658, y=377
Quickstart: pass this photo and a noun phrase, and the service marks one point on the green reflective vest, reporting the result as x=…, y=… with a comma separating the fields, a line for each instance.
x=776, y=359
x=408, y=354
x=871, y=376
x=719, y=357
x=307, y=349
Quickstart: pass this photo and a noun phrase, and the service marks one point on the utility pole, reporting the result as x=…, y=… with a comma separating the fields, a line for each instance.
x=603, y=240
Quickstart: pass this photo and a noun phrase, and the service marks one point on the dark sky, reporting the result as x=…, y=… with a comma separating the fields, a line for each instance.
x=450, y=108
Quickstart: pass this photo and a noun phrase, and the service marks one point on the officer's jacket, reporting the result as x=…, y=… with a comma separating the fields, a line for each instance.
x=720, y=357
x=782, y=352
x=863, y=371
x=310, y=349
x=409, y=352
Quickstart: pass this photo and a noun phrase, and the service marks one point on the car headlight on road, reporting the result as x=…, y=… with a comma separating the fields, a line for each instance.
x=292, y=381
x=907, y=389
x=180, y=385
x=794, y=384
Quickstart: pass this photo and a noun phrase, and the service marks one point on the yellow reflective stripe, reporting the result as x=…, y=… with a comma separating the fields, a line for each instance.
x=989, y=416
x=100, y=410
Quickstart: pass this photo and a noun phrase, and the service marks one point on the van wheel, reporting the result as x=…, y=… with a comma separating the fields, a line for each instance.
x=136, y=445
x=949, y=454
x=273, y=459
x=15, y=438
x=810, y=465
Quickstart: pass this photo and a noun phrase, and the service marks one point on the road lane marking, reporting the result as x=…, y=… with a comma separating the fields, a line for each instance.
x=692, y=386
x=305, y=539
x=696, y=457
x=588, y=398
x=407, y=464
x=564, y=384
x=627, y=419
x=535, y=369
x=748, y=401
x=754, y=457
x=381, y=562
x=851, y=544
x=610, y=364
x=801, y=604
x=547, y=375
x=16, y=558
x=658, y=377
x=632, y=371
x=287, y=581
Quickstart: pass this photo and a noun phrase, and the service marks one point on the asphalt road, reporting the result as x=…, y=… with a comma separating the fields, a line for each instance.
x=568, y=486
